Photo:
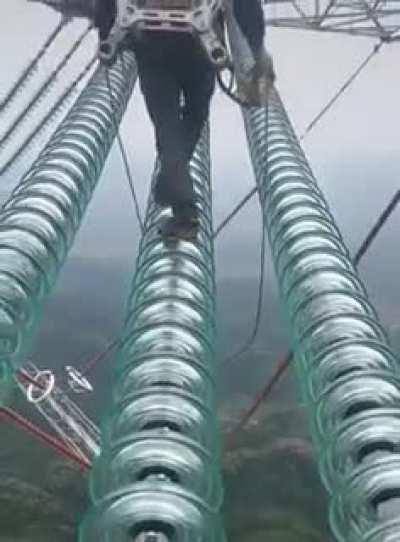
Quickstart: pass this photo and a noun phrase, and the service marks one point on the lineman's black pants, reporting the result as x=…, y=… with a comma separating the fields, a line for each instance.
x=177, y=82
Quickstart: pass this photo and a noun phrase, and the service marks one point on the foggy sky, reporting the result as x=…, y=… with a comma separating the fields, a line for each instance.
x=353, y=151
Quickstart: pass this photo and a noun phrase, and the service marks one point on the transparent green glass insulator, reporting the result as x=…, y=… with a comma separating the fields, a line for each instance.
x=348, y=374
x=136, y=458
x=153, y=511
x=158, y=477
x=39, y=221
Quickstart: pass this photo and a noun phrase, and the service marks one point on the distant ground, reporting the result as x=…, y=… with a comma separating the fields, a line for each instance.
x=272, y=487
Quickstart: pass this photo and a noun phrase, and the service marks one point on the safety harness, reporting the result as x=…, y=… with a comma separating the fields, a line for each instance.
x=202, y=19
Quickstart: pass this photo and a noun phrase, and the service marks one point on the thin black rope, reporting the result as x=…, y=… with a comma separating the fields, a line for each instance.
x=234, y=212
x=228, y=89
x=261, y=284
x=341, y=90
x=253, y=336
x=124, y=154
x=376, y=228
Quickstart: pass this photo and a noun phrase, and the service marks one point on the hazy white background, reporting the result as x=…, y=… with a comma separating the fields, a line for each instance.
x=354, y=151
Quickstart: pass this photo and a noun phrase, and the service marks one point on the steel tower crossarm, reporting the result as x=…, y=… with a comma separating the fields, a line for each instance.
x=378, y=19
x=39, y=221
x=348, y=374
x=158, y=474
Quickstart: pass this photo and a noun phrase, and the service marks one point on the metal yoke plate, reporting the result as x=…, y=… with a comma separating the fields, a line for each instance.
x=192, y=16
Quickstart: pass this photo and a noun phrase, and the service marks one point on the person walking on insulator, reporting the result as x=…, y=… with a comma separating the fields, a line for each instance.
x=177, y=79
